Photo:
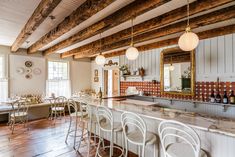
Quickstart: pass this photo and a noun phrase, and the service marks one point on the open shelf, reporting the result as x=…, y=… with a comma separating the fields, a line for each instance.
x=125, y=76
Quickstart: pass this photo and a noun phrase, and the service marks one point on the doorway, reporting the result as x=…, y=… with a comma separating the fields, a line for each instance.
x=111, y=82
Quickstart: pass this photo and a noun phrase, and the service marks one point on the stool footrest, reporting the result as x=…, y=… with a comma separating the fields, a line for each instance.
x=108, y=147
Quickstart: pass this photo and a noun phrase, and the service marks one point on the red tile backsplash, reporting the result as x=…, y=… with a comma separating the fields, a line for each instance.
x=202, y=89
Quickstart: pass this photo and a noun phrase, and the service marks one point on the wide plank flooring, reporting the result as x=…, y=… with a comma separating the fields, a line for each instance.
x=41, y=140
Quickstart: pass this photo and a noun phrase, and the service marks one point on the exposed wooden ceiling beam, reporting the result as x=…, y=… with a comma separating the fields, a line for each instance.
x=196, y=22
x=44, y=8
x=202, y=35
x=82, y=13
x=135, y=8
x=167, y=18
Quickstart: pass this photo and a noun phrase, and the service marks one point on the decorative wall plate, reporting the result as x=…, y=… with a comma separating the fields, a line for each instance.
x=20, y=70
x=37, y=71
x=28, y=76
x=28, y=70
x=28, y=64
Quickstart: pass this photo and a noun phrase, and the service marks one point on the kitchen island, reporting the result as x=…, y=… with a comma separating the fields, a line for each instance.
x=217, y=134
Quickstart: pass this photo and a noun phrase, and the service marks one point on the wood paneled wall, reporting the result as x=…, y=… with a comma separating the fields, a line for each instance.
x=215, y=57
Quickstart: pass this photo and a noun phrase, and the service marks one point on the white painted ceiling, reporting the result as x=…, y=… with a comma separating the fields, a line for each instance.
x=15, y=13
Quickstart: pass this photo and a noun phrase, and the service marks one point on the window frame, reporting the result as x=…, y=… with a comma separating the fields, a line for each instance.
x=58, y=80
x=68, y=69
x=4, y=77
x=4, y=66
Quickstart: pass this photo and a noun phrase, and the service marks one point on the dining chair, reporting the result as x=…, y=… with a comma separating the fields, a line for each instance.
x=57, y=108
x=19, y=114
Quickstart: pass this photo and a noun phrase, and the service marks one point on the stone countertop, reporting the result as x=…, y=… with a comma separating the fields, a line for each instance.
x=118, y=96
x=199, y=121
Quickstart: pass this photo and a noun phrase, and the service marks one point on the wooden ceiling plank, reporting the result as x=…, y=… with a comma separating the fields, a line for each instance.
x=168, y=42
x=196, y=22
x=82, y=13
x=167, y=18
x=135, y=8
x=44, y=8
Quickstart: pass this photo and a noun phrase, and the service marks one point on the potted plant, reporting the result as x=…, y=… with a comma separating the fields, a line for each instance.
x=124, y=70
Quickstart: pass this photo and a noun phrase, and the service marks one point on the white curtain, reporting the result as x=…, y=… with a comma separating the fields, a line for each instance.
x=3, y=89
x=59, y=88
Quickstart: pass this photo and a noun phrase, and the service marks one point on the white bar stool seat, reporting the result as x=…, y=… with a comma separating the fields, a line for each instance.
x=136, y=137
x=182, y=150
x=117, y=127
x=179, y=140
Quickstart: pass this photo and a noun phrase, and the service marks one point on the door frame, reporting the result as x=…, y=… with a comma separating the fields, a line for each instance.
x=112, y=68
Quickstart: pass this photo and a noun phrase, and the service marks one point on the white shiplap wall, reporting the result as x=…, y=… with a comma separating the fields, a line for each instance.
x=215, y=57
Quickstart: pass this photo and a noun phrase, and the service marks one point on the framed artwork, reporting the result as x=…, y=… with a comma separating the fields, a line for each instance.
x=96, y=79
x=96, y=72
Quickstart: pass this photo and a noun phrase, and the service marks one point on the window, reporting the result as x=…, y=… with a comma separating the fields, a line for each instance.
x=58, y=79
x=1, y=67
x=3, y=79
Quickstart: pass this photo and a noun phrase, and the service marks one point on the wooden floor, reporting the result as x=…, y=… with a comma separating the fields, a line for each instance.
x=42, y=140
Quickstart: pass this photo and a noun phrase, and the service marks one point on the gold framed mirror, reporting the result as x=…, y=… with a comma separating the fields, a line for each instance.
x=177, y=71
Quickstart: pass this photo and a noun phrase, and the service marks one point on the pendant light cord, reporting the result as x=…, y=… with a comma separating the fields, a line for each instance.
x=188, y=27
x=188, y=13
x=132, y=34
x=100, y=44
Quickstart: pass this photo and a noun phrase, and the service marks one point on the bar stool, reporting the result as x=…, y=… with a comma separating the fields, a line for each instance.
x=76, y=111
x=137, y=133
x=58, y=108
x=89, y=121
x=19, y=114
x=187, y=142
x=106, y=124
x=82, y=113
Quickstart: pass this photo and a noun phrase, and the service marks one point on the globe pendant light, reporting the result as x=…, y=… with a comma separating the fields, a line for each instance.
x=171, y=68
x=189, y=40
x=100, y=59
x=132, y=53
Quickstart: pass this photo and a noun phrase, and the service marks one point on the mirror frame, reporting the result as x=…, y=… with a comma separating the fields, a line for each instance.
x=192, y=58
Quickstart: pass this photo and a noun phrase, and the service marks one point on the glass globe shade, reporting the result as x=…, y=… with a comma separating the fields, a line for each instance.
x=171, y=68
x=132, y=53
x=100, y=60
x=188, y=41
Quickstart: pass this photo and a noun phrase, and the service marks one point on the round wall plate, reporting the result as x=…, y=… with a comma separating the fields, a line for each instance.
x=28, y=70
x=37, y=71
x=28, y=64
x=28, y=76
x=20, y=70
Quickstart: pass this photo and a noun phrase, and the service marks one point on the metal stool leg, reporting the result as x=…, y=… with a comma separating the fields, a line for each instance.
x=75, y=133
x=89, y=127
x=81, y=138
x=70, y=123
